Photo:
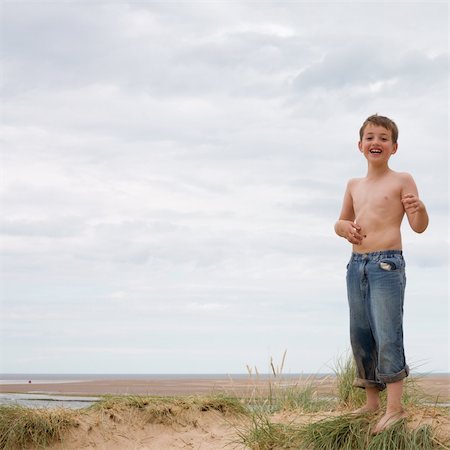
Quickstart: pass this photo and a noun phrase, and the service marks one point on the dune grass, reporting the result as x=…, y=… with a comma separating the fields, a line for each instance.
x=350, y=432
x=298, y=396
x=261, y=433
x=282, y=394
x=343, y=432
x=350, y=397
x=22, y=427
x=167, y=410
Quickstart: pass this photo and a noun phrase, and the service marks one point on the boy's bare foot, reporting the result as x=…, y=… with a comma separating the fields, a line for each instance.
x=388, y=420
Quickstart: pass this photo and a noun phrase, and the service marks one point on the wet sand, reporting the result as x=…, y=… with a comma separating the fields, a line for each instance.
x=154, y=386
x=435, y=386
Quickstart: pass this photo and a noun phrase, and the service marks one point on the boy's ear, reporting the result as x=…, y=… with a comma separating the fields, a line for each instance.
x=360, y=146
x=395, y=147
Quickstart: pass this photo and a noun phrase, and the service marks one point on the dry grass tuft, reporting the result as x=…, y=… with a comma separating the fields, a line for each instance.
x=22, y=427
x=346, y=432
x=167, y=410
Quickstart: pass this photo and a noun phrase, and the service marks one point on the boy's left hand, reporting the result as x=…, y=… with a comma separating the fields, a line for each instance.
x=411, y=203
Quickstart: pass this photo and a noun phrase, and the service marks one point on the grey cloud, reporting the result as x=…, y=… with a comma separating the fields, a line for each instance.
x=47, y=199
x=49, y=45
x=425, y=253
x=53, y=228
x=327, y=207
x=57, y=46
x=356, y=65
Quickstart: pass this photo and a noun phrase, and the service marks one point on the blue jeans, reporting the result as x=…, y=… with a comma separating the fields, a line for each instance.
x=375, y=289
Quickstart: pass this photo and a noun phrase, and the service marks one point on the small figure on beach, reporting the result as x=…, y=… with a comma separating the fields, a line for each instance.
x=373, y=209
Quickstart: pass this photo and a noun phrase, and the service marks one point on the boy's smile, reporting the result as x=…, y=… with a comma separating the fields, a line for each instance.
x=376, y=143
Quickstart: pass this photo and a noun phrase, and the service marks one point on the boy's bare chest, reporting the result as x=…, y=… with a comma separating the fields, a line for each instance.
x=377, y=196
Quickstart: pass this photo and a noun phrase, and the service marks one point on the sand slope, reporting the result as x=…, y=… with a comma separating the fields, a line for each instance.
x=207, y=431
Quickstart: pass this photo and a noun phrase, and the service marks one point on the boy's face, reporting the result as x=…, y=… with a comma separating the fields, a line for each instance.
x=376, y=144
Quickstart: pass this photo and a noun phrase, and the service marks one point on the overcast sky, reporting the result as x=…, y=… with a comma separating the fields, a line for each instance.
x=171, y=173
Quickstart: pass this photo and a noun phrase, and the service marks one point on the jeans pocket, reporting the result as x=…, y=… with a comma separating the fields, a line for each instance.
x=392, y=263
x=388, y=265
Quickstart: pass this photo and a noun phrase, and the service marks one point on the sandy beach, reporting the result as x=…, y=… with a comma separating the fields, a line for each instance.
x=436, y=386
x=163, y=386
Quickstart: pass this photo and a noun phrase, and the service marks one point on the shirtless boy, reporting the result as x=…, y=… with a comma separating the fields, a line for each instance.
x=370, y=220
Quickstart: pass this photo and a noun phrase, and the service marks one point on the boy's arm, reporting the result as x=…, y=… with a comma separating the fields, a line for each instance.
x=345, y=226
x=414, y=207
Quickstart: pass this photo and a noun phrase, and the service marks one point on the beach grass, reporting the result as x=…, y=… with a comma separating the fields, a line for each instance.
x=22, y=427
x=291, y=397
x=350, y=397
x=261, y=433
x=345, y=372
x=168, y=410
x=344, y=431
x=349, y=432
x=278, y=393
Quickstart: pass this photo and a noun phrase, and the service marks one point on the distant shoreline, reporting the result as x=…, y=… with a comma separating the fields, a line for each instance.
x=89, y=377
x=435, y=385
x=7, y=377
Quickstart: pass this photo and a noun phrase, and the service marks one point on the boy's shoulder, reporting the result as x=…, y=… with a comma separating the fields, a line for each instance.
x=354, y=181
x=401, y=176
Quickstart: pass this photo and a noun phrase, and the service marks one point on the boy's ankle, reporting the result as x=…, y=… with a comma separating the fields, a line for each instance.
x=395, y=409
x=373, y=406
x=367, y=409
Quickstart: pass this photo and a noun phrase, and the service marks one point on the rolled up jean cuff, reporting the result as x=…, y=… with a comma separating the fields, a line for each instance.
x=394, y=377
x=383, y=380
x=362, y=383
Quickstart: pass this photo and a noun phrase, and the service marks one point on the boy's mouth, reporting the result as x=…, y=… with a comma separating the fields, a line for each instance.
x=375, y=150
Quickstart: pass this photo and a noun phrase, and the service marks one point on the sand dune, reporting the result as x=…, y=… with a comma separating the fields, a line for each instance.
x=208, y=430
x=185, y=423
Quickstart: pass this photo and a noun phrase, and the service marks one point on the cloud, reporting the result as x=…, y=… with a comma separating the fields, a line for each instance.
x=63, y=227
x=374, y=68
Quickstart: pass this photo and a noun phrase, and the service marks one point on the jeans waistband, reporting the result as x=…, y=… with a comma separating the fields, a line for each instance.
x=375, y=255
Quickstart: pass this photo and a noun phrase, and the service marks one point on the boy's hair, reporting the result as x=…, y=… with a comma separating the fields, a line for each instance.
x=381, y=121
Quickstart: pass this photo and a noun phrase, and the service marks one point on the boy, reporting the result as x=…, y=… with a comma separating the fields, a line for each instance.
x=370, y=219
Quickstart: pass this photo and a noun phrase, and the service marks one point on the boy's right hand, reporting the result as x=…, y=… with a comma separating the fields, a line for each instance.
x=352, y=232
